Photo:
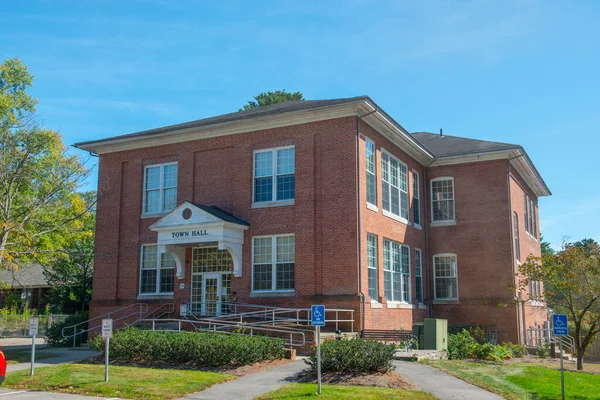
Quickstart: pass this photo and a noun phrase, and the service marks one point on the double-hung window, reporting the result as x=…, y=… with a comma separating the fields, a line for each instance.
x=442, y=199
x=416, y=199
x=394, y=187
x=160, y=188
x=446, y=277
x=273, y=263
x=396, y=271
x=535, y=290
x=371, y=173
x=419, y=275
x=372, y=265
x=157, y=271
x=274, y=175
x=530, y=216
x=516, y=235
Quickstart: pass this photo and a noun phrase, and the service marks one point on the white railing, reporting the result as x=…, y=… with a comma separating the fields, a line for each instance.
x=536, y=337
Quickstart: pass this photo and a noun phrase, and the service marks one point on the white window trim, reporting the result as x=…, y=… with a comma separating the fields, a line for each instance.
x=376, y=299
x=158, y=270
x=398, y=302
x=371, y=206
x=389, y=213
x=273, y=202
x=517, y=238
x=421, y=258
x=443, y=222
x=418, y=226
x=435, y=277
x=162, y=188
x=273, y=264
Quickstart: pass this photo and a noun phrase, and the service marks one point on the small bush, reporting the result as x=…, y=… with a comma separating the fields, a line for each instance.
x=461, y=345
x=544, y=350
x=54, y=336
x=353, y=355
x=491, y=352
x=515, y=350
x=199, y=348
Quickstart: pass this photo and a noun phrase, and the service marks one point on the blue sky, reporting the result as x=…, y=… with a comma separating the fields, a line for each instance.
x=525, y=72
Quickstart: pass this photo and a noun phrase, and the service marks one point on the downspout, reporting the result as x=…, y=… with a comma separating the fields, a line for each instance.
x=430, y=274
x=363, y=297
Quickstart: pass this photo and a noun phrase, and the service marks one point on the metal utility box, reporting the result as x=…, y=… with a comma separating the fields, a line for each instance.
x=418, y=331
x=435, y=335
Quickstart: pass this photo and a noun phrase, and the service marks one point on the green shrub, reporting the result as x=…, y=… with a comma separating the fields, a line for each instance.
x=544, y=350
x=353, y=355
x=491, y=352
x=461, y=345
x=54, y=336
x=515, y=350
x=199, y=348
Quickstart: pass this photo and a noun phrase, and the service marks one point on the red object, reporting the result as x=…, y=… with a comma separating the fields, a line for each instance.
x=2, y=367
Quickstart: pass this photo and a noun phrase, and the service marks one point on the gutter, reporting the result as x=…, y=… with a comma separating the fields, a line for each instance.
x=359, y=227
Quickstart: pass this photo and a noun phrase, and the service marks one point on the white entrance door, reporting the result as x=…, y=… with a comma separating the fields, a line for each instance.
x=211, y=294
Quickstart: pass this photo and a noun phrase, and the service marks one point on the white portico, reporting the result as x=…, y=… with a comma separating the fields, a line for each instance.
x=216, y=238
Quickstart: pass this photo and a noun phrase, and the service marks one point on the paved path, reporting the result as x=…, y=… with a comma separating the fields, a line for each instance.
x=65, y=356
x=441, y=384
x=34, y=395
x=249, y=386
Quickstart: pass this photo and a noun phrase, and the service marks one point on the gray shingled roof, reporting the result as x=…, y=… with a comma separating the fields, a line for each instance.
x=222, y=214
x=273, y=109
x=28, y=276
x=447, y=146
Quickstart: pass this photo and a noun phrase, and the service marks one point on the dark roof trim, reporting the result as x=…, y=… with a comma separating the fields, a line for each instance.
x=221, y=214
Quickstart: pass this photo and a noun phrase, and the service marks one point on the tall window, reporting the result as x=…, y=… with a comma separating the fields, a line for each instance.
x=396, y=271
x=372, y=265
x=394, y=186
x=157, y=271
x=516, y=235
x=273, y=263
x=530, y=216
x=419, y=275
x=534, y=218
x=160, y=188
x=526, y=212
x=416, y=199
x=442, y=199
x=371, y=173
x=535, y=290
x=274, y=174
x=446, y=277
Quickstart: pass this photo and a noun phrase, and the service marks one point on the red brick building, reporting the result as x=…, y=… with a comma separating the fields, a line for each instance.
x=318, y=202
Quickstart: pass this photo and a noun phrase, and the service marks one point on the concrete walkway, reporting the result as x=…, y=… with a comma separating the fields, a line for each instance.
x=64, y=356
x=249, y=386
x=35, y=395
x=441, y=384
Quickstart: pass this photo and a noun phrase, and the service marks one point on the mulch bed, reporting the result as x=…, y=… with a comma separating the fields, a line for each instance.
x=388, y=380
x=235, y=370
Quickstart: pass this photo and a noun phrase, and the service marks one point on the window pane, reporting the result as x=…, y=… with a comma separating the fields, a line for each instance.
x=419, y=289
x=263, y=277
x=152, y=178
x=152, y=201
x=416, y=211
x=285, y=248
x=148, y=281
x=149, y=257
x=371, y=189
x=263, y=164
x=372, y=265
x=385, y=195
x=286, y=161
x=170, y=201
x=286, y=187
x=285, y=276
x=167, y=280
x=263, y=252
x=263, y=189
x=445, y=277
x=387, y=285
x=373, y=283
x=395, y=200
x=170, y=175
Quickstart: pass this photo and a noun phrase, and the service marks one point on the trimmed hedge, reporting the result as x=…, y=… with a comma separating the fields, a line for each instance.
x=353, y=355
x=199, y=348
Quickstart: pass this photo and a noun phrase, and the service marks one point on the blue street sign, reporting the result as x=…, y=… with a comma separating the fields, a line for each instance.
x=560, y=325
x=318, y=315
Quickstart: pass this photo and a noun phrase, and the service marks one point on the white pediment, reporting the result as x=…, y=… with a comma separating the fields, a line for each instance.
x=177, y=217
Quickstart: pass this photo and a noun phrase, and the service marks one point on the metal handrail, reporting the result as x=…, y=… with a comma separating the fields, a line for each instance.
x=239, y=329
x=171, y=310
x=143, y=308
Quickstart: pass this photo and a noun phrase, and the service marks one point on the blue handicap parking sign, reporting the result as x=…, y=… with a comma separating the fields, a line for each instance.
x=318, y=315
x=560, y=325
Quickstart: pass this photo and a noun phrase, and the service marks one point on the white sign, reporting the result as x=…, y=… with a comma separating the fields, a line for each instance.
x=107, y=328
x=34, y=324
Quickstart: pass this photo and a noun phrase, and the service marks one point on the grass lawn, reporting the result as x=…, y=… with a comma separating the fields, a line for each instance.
x=125, y=382
x=23, y=355
x=523, y=380
x=331, y=392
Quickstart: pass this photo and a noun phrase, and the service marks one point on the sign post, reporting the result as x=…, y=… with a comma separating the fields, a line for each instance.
x=34, y=324
x=318, y=319
x=107, y=331
x=560, y=327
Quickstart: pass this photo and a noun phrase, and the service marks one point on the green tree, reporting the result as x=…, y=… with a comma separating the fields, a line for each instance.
x=546, y=247
x=267, y=98
x=39, y=204
x=70, y=271
x=572, y=286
